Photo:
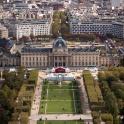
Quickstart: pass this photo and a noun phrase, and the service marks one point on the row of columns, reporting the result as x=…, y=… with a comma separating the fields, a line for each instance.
x=60, y=61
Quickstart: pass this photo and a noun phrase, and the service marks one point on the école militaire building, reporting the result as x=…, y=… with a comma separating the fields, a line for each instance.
x=60, y=54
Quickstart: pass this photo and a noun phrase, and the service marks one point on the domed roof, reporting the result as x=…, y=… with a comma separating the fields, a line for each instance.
x=59, y=42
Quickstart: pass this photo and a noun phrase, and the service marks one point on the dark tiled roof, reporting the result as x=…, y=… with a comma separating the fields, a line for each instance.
x=9, y=55
x=59, y=41
x=6, y=44
x=36, y=50
x=82, y=49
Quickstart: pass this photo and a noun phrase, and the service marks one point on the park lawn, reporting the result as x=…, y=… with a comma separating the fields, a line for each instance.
x=58, y=94
x=65, y=86
x=77, y=102
x=44, y=94
x=61, y=122
x=44, y=87
x=42, y=107
x=60, y=107
x=64, y=99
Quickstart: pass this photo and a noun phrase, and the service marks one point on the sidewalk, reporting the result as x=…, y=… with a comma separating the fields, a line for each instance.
x=83, y=97
x=37, y=96
x=86, y=117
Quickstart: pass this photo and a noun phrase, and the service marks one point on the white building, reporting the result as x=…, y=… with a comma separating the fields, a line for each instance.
x=41, y=27
x=20, y=6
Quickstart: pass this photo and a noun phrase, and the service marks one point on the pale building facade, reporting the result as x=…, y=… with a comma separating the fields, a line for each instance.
x=41, y=27
x=9, y=60
x=62, y=55
x=3, y=32
x=109, y=60
x=59, y=55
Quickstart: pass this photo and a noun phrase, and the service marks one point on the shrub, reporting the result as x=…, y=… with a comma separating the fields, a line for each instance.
x=95, y=114
x=106, y=117
x=96, y=121
x=24, y=118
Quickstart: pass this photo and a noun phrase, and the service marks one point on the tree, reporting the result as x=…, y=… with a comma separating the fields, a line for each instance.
x=3, y=118
x=119, y=94
x=97, y=40
x=113, y=52
x=24, y=38
x=24, y=118
x=111, y=104
x=64, y=29
x=102, y=52
x=116, y=74
x=3, y=99
x=122, y=62
x=32, y=37
x=101, y=76
x=121, y=75
x=120, y=104
x=56, y=15
x=122, y=111
x=110, y=77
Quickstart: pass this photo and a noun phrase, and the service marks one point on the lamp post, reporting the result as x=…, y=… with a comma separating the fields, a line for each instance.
x=100, y=115
x=1, y=74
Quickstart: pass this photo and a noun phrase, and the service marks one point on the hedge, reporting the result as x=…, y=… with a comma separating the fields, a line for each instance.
x=26, y=108
x=96, y=121
x=95, y=114
x=107, y=117
x=14, y=122
x=109, y=122
x=95, y=97
x=24, y=118
x=33, y=77
x=93, y=90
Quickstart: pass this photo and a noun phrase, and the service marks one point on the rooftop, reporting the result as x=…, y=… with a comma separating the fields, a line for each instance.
x=36, y=50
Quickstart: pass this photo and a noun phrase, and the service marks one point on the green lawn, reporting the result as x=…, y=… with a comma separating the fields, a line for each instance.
x=65, y=86
x=60, y=107
x=60, y=94
x=56, y=99
x=61, y=122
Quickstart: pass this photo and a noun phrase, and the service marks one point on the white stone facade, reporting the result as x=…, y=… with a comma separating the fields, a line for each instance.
x=36, y=28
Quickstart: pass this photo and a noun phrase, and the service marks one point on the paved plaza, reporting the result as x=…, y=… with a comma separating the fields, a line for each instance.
x=86, y=116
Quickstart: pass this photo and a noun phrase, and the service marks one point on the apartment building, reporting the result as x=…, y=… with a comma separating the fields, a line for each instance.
x=92, y=19
x=114, y=28
x=118, y=29
x=38, y=27
x=3, y=32
x=85, y=27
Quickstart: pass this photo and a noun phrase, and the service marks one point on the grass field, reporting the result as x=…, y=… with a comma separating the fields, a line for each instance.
x=56, y=99
x=61, y=122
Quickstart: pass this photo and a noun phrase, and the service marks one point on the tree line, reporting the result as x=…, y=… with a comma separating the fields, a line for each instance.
x=112, y=87
x=9, y=93
x=59, y=24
